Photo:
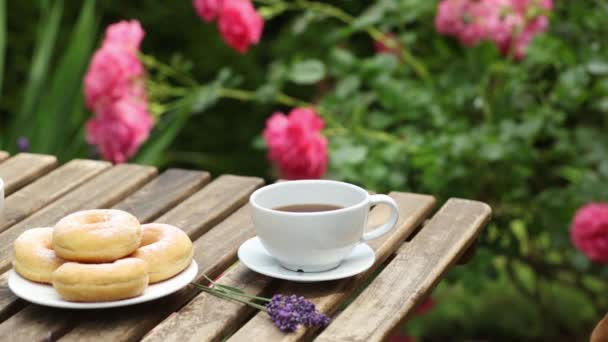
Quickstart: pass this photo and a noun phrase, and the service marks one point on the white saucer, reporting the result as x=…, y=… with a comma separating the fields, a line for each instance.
x=253, y=255
x=46, y=295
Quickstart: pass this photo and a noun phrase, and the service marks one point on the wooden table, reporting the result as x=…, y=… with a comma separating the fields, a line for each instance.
x=215, y=214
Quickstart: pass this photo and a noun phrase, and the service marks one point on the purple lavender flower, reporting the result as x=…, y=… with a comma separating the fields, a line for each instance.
x=23, y=144
x=288, y=312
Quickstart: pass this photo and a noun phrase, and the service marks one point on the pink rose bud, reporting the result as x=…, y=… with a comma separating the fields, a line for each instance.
x=387, y=44
x=589, y=231
x=240, y=25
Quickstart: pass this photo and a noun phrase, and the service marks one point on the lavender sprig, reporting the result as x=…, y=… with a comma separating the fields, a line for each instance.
x=286, y=312
x=23, y=144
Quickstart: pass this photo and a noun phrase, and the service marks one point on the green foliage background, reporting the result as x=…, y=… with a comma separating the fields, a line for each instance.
x=527, y=137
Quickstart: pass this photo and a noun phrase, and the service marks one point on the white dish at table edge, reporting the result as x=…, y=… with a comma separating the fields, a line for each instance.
x=45, y=294
x=253, y=255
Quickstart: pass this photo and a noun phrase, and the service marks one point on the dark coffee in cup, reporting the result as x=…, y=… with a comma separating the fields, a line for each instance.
x=308, y=208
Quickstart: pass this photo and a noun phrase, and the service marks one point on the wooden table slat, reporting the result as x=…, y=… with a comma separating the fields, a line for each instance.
x=37, y=323
x=208, y=318
x=47, y=189
x=163, y=193
x=214, y=250
x=211, y=205
x=24, y=168
x=410, y=277
x=3, y=156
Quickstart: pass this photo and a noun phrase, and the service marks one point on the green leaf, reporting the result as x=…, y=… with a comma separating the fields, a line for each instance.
x=342, y=61
x=266, y=93
x=373, y=15
x=347, y=86
x=152, y=152
x=598, y=68
x=307, y=72
x=205, y=97
x=348, y=154
x=47, y=35
x=259, y=143
x=2, y=40
x=302, y=22
x=61, y=99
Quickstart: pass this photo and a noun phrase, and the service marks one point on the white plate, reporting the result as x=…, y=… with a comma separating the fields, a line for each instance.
x=46, y=295
x=253, y=255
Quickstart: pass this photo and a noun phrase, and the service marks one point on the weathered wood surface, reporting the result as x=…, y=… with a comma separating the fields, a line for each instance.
x=3, y=155
x=221, y=316
x=411, y=275
x=47, y=189
x=163, y=193
x=102, y=191
x=215, y=250
x=37, y=323
x=24, y=168
x=215, y=215
x=211, y=205
x=9, y=304
x=207, y=318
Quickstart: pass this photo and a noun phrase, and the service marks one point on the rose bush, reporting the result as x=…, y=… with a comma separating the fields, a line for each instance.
x=503, y=101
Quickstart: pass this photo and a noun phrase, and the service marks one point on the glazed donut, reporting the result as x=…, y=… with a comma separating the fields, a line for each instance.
x=102, y=235
x=34, y=258
x=124, y=278
x=166, y=249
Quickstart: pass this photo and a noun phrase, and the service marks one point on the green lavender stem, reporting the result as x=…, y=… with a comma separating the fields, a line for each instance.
x=229, y=296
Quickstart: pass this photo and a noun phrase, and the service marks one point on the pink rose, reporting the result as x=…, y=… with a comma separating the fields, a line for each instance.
x=510, y=24
x=589, y=231
x=531, y=20
x=240, y=25
x=119, y=130
x=296, y=145
x=114, y=88
x=464, y=19
x=450, y=14
x=125, y=33
x=208, y=10
x=112, y=71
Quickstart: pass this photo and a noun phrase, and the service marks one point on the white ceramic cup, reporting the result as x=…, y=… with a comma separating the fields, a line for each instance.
x=315, y=241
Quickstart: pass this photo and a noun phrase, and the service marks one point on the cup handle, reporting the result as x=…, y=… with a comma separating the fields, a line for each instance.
x=392, y=220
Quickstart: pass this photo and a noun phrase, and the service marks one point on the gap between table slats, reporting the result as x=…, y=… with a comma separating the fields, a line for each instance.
x=195, y=215
x=155, y=198
x=208, y=318
x=47, y=189
x=411, y=275
x=24, y=168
